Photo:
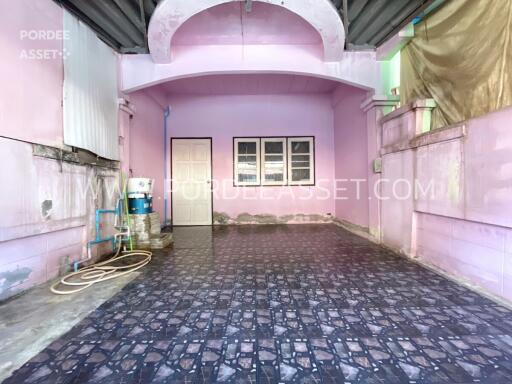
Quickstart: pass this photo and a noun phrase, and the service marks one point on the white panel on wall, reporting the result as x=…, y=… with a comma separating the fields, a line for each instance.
x=90, y=91
x=440, y=175
x=397, y=204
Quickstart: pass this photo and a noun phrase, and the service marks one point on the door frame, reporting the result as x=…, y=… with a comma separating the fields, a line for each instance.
x=211, y=172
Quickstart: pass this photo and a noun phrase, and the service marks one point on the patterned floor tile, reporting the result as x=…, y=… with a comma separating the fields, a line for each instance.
x=282, y=304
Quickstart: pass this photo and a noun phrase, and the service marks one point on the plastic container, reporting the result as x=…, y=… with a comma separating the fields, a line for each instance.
x=140, y=206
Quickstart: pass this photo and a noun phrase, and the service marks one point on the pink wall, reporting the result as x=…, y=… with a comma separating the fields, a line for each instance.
x=477, y=252
x=465, y=226
x=31, y=88
x=459, y=218
x=229, y=23
x=50, y=215
x=223, y=117
x=238, y=84
x=147, y=144
x=34, y=247
x=351, y=156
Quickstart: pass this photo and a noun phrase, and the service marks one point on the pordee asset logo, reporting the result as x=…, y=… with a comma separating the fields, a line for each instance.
x=39, y=37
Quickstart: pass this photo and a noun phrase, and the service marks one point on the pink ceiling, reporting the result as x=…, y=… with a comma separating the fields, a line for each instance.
x=230, y=23
x=248, y=85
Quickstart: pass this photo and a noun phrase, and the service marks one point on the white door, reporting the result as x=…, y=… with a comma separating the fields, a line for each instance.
x=191, y=182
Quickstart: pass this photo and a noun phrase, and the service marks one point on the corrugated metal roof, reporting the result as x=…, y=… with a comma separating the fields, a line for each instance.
x=372, y=22
x=123, y=23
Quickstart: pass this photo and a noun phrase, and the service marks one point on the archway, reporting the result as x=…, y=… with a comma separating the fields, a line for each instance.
x=171, y=14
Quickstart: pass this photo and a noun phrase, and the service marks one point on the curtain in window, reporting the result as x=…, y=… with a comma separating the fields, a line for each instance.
x=461, y=56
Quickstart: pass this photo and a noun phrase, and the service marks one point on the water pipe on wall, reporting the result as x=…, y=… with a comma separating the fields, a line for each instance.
x=167, y=112
x=99, y=239
x=431, y=8
x=86, y=277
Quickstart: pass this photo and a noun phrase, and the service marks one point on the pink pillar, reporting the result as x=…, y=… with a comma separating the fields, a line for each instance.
x=375, y=108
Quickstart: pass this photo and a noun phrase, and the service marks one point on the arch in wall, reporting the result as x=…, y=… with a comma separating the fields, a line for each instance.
x=171, y=14
x=167, y=79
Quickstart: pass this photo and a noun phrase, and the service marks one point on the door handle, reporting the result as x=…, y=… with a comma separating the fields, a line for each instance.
x=208, y=181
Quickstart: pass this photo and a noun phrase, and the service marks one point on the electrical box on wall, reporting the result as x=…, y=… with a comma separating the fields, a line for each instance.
x=377, y=165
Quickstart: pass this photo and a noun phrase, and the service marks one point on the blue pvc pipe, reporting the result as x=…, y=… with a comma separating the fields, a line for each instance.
x=94, y=242
x=100, y=212
x=98, y=239
x=167, y=112
x=431, y=8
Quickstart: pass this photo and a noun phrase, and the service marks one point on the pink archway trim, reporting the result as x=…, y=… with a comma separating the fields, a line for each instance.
x=171, y=14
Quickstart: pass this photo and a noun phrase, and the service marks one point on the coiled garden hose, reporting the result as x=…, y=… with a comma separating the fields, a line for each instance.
x=106, y=270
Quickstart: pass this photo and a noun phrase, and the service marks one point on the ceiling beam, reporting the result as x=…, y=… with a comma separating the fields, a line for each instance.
x=393, y=22
x=386, y=15
x=367, y=18
x=100, y=18
x=337, y=3
x=122, y=25
x=141, y=50
x=143, y=21
x=102, y=34
x=118, y=17
x=355, y=9
x=131, y=13
x=149, y=7
x=346, y=21
x=401, y=25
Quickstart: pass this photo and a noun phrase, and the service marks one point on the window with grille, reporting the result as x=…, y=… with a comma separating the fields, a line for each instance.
x=247, y=161
x=301, y=160
x=274, y=161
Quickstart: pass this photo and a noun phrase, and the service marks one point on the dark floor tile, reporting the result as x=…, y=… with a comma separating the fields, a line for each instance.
x=282, y=304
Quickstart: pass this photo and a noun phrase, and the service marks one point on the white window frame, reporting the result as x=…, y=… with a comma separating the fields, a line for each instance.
x=258, y=166
x=285, y=160
x=311, y=141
